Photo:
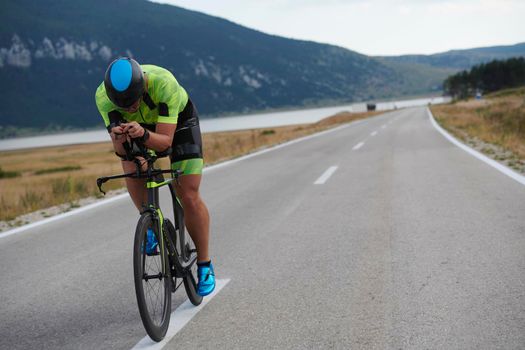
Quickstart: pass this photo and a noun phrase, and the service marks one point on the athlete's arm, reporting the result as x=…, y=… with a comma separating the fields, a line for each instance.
x=159, y=140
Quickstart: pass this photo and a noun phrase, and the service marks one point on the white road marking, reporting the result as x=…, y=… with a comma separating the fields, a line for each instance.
x=373, y=133
x=179, y=318
x=206, y=169
x=273, y=148
x=326, y=175
x=358, y=146
x=63, y=215
x=498, y=166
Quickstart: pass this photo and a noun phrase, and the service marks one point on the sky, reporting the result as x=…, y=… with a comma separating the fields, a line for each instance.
x=378, y=27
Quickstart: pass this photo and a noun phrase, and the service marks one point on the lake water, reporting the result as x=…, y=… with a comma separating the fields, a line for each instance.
x=241, y=122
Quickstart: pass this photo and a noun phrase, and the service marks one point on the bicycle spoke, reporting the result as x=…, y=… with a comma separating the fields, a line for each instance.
x=153, y=304
x=154, y=287
x=153, y=300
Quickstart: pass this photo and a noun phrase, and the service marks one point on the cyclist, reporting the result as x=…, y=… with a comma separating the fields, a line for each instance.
x=146, y=102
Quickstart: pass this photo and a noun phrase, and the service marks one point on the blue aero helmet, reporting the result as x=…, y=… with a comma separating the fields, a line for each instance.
x=124, y=82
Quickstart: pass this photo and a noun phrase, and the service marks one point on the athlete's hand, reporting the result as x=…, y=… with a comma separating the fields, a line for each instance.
x=133, y=129
x=117, y=134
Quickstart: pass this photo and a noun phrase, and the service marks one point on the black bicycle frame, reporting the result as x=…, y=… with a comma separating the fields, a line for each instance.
x=154, y=180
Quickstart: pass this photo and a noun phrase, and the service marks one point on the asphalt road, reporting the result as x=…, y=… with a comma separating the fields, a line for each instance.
x=410, y=244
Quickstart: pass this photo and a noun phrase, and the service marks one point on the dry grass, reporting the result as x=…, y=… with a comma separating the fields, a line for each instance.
x=56, y=175
x=225, y=145
x=32, y=191
x=497, y=119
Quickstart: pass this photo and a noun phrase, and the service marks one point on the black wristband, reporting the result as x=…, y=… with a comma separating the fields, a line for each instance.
x=145, y=136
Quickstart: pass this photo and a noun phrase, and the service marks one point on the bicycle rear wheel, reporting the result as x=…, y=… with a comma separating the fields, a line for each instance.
x=152, y=280
x=190, y=284
x=189, y=254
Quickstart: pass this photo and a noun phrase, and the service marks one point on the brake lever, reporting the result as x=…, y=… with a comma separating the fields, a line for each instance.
x=100, y=182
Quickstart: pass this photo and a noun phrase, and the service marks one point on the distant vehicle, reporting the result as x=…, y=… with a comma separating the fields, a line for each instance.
x=370, y=106
x=479, y=95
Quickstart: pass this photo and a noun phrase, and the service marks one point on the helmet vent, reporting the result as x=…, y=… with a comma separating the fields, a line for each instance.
x=121, y=75
x=124, y=82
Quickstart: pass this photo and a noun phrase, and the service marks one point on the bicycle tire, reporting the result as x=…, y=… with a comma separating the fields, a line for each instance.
x=190, y=278
x=169, y=231
x=155, y=324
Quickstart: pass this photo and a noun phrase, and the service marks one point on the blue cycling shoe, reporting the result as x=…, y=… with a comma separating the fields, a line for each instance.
x=206, y=283
x=151, y=243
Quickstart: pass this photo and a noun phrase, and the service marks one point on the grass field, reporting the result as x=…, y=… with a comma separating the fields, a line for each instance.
x=40, y=178
x=496, y=120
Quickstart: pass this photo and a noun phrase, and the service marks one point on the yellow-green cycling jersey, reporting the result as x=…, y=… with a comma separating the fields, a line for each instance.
x=162, y=101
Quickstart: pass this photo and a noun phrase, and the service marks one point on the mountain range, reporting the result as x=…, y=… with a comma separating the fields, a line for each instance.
x=53, y=55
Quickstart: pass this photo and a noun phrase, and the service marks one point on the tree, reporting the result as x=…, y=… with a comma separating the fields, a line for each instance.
x=486, y=77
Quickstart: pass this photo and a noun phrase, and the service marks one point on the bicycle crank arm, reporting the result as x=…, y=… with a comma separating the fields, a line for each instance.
x=158, y=276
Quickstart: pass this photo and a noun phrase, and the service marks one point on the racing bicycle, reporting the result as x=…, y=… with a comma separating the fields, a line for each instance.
x=160, y=273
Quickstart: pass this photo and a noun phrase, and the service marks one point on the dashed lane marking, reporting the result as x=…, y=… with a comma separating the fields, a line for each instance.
x=358, y=146
x=326, y=175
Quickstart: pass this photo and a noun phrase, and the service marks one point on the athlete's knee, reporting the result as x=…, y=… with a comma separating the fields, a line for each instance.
x=191, y=199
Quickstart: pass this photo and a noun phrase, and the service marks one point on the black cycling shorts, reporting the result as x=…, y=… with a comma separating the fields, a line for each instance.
x=187, y=141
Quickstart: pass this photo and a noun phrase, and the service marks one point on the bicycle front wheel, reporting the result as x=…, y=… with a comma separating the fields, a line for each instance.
x=152, y=279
